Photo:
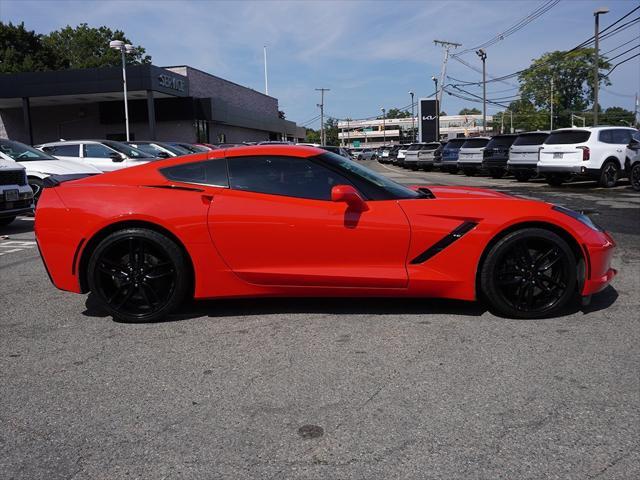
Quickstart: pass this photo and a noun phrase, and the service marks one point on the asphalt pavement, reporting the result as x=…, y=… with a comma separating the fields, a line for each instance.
x=324, y=389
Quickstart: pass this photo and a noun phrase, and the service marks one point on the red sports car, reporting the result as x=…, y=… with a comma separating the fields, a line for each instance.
x=299, y=221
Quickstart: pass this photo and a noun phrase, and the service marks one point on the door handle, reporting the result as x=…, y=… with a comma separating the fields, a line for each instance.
x=206, y=199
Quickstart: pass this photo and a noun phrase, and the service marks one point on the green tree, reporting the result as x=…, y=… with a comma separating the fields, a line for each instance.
x=615, y=116
x=22, y=50
x=312, y=136
x=469, y=111
x=525, y=118
x=572, y=75
x=331, y=131
x=88, y=47
x=396, y=113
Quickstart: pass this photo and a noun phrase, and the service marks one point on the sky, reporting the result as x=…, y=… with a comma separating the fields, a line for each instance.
x=370, y=54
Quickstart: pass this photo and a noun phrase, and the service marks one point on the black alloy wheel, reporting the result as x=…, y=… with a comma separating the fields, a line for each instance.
x=138, y=275
x=634, y=177
x=530, y=273
x=522, y=176
x=609, y=174
x=36, y=185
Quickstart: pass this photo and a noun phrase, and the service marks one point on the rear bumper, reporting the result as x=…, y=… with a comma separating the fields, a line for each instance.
x=575, y=169
x=516, y=167
x=476, y=165
x=495, y=163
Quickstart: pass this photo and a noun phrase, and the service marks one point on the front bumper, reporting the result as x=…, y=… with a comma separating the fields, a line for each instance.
x=598, y=250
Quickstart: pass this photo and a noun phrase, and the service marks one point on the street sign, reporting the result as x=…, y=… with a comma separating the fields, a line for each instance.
x=356, y=143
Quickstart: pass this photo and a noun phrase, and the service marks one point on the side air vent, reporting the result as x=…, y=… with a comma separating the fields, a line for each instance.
x=444, y=242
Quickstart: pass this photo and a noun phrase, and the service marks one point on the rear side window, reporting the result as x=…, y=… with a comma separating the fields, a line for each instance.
x=475, y=143
x=531, y=139
x=568, y=137
x=72, y=150
x=207, y=172
x=288, y=176
x=618, y=136
x=96, y=150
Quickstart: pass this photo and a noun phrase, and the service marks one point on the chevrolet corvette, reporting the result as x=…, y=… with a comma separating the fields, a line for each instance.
x=294, y=221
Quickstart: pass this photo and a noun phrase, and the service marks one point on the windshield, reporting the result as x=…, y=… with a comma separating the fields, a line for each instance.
x=369, y=176
x=531, y=139
x=128, y=150
x=497, y=142
x=563, y=137
x=475, y=143
x=22, y=153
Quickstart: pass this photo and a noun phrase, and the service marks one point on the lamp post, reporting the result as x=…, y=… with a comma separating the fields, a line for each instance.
x=596, y=74
x=384, y=132
x=413, y=119
x=435, y=81
x=483, y=56
x=124, y=48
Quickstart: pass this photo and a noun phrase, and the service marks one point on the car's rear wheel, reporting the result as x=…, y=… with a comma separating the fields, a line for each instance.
x=609, y=174
x=138, y=275
x=635, y=176
x=496, y=173
x=530, y=273
x=469, y=172
x=555, y=179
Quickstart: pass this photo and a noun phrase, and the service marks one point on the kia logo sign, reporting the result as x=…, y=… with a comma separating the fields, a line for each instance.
x=172, y=83
x=429, y=117
x=429, y=124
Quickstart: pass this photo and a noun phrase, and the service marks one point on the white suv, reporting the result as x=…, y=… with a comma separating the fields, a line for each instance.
x=471, y=154
x=16, y=196
x=598, y=153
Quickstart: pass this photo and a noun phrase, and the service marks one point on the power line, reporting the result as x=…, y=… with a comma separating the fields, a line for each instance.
x=625, y=52
x=623, y=61
x=621, y=45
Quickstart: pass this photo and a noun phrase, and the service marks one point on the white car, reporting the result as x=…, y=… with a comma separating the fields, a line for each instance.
x=598, y=153
x=40, y=165
x=105, y=155
x=632, y=163
x=471, y=154
x=523, y=155
x=16, y=197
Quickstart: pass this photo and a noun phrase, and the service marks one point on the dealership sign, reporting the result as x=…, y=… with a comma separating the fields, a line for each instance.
x=429, y=123
x=170, y=82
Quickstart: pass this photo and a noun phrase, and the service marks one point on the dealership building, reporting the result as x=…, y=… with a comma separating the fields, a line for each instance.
x=178, y=103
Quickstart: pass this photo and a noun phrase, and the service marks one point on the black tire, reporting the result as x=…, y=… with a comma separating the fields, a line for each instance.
x=496, y=173
x=555, y=179
x=36, y=185
x=6, y=221
x=522, y=176
x=453, y=170
x=609, y=174
x=530, y=273
x=469, y=172
x=634, y=176
x=138, y=275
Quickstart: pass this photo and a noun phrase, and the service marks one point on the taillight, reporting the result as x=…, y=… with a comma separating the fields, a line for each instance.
x=539, y=150
x=585, y=153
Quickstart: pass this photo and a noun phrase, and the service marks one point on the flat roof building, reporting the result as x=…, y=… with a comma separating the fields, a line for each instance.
x=178, y=103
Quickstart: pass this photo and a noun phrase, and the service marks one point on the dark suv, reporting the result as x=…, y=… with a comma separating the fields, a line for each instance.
x=496, y=155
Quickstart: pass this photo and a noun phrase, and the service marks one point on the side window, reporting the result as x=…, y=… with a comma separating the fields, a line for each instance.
x=621, y=136
x=606, y=136
x=208, y=172
x=96, y=150
x=72, y=150
x=288, y=176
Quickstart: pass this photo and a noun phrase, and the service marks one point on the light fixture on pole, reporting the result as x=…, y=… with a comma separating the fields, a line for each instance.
x=435, y=81
x=413, y=119
x=483, y=56
x=384, y=132
x=124, y=49
x=596, y=74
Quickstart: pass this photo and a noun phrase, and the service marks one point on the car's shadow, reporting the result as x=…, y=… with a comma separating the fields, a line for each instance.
x=342, y=306
x=18, y=226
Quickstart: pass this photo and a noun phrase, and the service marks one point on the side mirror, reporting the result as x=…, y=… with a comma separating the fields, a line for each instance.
x=116, y=157
x=348, y=195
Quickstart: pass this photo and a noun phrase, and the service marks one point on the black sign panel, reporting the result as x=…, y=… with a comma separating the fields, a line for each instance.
x=429, y=123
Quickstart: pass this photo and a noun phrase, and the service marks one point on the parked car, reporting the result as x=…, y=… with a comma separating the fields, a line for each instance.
x=326, y=226
x=450, y=155
x=190, y=147
x=426, y=155
x=496, y=154
x=384, y=156
x=523, y=155
x=159, y=149
x=392, y=156
x=399, y=160
x=337, y=150
x=367, y=154
x=633, y=160
x=437, y=155
x=16, y=196
x=105, y=155
x=597, y=153
x=470, y=155
x=40, y=165
x=411, y=156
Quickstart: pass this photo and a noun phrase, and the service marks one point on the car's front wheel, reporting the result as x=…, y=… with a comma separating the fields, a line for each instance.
x=138, y=275
x=530, y=273
x=635, y=176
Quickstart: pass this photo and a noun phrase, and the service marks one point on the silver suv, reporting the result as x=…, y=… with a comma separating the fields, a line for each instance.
x=16, y=196
x=523, y=155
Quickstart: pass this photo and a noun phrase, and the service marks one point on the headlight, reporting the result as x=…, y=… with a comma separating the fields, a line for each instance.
x=581, y=217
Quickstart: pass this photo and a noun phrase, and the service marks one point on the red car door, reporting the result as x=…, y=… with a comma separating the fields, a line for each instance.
x=278, y=226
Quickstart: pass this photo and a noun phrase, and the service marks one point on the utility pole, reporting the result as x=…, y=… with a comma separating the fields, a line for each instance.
x=596, y=73
x=483, y=56
x=511, y=120
x=384, y=132
x=447, y=46
x=266, y=81
x=502, y=122
x=413, y=119
x=321, y=105
x=551, y=107
x=635, y=113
